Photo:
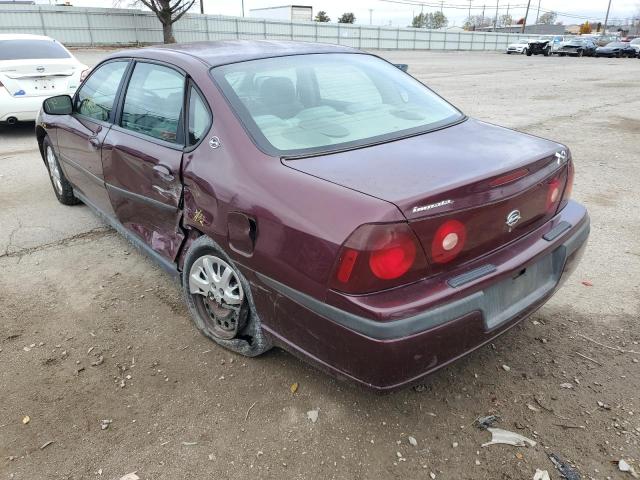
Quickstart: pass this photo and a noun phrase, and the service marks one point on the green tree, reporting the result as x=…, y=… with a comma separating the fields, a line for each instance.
x=437, y=20
x=347, y=18
x=322, y=17
x=418, y=21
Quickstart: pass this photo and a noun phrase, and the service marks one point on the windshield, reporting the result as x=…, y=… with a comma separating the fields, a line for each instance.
x=31, y=50
x=635, y=41
x=305, y=104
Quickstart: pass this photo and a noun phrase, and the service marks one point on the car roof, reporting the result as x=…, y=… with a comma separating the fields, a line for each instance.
x=23, y=36
x=216, y=53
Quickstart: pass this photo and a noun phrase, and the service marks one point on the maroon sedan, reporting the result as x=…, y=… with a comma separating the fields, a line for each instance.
x=317, y=198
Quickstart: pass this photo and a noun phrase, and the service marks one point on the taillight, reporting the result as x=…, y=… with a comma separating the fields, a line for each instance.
x=554, y=192
x=448, y=241
x=568, y=189
x=379, y=256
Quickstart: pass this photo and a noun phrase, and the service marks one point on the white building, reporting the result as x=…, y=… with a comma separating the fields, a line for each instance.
x=292, y=13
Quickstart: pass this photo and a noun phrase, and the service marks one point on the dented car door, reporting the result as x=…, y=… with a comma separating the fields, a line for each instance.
x=142, y=156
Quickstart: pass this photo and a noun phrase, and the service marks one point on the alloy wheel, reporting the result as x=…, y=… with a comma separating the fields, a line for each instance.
x=218, y=295
x=54, y=170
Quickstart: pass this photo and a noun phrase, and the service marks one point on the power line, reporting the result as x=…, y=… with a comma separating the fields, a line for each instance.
x=457, y=6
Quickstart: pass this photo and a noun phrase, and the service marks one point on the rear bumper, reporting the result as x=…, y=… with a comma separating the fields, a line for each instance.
x=24, y=109
x=431, y=323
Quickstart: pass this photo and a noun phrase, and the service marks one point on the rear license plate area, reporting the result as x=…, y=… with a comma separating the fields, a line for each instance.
x=511, y=296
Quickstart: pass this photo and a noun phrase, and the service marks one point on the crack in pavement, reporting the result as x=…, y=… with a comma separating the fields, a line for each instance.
x=88, y=235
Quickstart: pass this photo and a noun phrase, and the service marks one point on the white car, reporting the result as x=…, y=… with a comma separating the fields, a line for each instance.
x=635, y=43
x=33, y=68
x=518, y=47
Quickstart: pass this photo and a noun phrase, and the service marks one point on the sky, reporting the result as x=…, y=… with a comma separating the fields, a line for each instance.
x=400, y=14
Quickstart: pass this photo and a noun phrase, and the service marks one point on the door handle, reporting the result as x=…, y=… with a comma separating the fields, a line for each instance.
x=164, y=173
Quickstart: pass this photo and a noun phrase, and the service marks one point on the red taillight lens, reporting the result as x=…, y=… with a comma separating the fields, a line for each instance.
x=379, y=256
x=448, y=241
x=394, y=259
x=554, y=192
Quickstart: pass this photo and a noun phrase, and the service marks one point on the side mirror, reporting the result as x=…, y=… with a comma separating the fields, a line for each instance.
x=60, y=105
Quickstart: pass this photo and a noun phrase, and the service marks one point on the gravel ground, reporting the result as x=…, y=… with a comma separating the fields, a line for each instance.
x=92, y=332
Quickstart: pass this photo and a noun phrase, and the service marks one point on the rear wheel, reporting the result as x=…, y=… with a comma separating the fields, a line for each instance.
x=547, y=52
x=528, y=52
x=61, y=186
x=219, y=300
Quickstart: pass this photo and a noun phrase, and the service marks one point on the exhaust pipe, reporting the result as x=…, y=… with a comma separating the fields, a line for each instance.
x=12, y=120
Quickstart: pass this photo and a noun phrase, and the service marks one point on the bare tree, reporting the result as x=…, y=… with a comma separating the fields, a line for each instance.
x=548, y=18
x=505, y=20
x=168, y=12
x=477, y=21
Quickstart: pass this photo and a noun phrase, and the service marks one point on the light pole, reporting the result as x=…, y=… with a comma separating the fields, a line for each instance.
x=370, y=16
x=524, y=23
x=606, y=19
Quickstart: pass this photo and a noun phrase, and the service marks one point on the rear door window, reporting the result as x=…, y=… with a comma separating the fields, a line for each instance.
x=96, y=97
x=31, y=50
x=153, y=102
x=199, y=117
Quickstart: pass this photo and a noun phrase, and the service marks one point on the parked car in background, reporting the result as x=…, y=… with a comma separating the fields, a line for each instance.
x=32, y=68
x=616, y=49
x=635, y=44
x=578, y=47
x=518, y=47
x=603, y=40
x=238, y=166
x=539, y=46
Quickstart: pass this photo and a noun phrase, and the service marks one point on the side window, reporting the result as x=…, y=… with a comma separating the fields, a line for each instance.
x=96, y=97
x=153, y=102
x=199, y=118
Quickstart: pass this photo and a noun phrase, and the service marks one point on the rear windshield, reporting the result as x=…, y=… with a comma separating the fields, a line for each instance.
x=305, y=104
x=31, y=50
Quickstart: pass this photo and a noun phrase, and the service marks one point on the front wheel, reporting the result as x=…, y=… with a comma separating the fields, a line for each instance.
x=547, y=52
x=580, y=53
x=219, y=299
x=61, y=186
x=529, y=53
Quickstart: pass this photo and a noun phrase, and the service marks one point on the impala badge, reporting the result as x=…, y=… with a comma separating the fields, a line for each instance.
x=513, y=218
x=561, y=156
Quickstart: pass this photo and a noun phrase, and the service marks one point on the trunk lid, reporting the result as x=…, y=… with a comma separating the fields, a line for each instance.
x=475, y=173
x=40, y=77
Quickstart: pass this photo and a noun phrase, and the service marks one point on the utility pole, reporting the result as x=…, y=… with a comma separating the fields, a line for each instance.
x=538, y=14
x=495, y=20
x=482, y=22
x=243, y=8
x=469, y=16
x=370, y=16
x=202, y=7
x=524, y=23
x=606, y=19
